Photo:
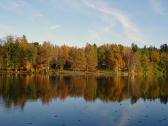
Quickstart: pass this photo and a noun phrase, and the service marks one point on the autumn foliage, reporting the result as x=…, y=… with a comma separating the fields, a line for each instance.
x=17, y=54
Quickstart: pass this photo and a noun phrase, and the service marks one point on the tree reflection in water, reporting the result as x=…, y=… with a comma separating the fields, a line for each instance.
x=16, y=90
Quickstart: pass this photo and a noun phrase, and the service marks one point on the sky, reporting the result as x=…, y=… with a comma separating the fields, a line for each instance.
x=76, y=22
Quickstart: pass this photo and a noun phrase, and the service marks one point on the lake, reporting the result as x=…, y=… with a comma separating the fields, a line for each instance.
x=42, y=100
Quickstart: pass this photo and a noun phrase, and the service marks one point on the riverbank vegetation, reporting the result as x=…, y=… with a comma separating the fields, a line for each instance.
x=18, y=55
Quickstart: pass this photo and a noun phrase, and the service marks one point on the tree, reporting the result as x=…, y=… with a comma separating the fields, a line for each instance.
x=91, y=57
x=32, y=54
x=164, y=62
x=25, y=52
x=63, y=56
x=102, y=55
x=126, y=57
x=77, y=59
x=3, y=55
x=19, y=53
x=144, y=63
x=155, y=56
x=133, y=59
x=164, y=48
x=54, y=55
x=12, y=52
x=114, y=58
x=47, y=49
x=134, y=47
x=42, y=58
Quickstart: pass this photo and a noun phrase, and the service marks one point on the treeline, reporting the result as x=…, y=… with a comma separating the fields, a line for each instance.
x=17, y=54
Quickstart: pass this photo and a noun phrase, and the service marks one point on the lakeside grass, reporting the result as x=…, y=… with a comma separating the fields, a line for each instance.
x=68, y=72
x=81, y=73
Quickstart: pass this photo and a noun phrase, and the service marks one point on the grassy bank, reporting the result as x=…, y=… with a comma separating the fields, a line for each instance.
x=68, y=72
x=78, y=73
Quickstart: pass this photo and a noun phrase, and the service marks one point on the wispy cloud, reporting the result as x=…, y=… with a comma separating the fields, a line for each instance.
x=104, y=33
x=160, y=6
x=54, y=27
x=130, y=28
x=33, y=15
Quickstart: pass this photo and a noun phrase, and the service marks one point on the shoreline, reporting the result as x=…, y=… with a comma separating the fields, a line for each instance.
x=80, y=73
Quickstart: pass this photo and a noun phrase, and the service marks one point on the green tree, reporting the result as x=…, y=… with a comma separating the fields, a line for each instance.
x=27, y=52
x=102, y=54
x=164, y=62
x=12, y=52
x=134, y=47
x=144, y=63
x=164, y=48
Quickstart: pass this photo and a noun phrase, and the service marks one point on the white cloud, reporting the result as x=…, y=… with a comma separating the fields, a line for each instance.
x=54, y=27
x=160, y=6
x=104, y=34
x=131, y=30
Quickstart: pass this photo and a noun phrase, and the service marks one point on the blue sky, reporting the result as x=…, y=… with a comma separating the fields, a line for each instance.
x=76, y=22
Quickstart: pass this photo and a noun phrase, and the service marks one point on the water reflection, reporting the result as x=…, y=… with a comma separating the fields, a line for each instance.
x=16, y=90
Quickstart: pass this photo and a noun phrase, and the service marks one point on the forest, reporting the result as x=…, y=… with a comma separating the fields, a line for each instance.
x=17, y=54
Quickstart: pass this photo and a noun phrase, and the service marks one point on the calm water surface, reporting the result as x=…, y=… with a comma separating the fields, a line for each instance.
x=42, y=100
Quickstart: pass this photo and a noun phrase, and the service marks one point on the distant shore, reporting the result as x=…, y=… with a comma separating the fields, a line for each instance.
x=78, y=73
x=68, y=72
x=19, y=56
